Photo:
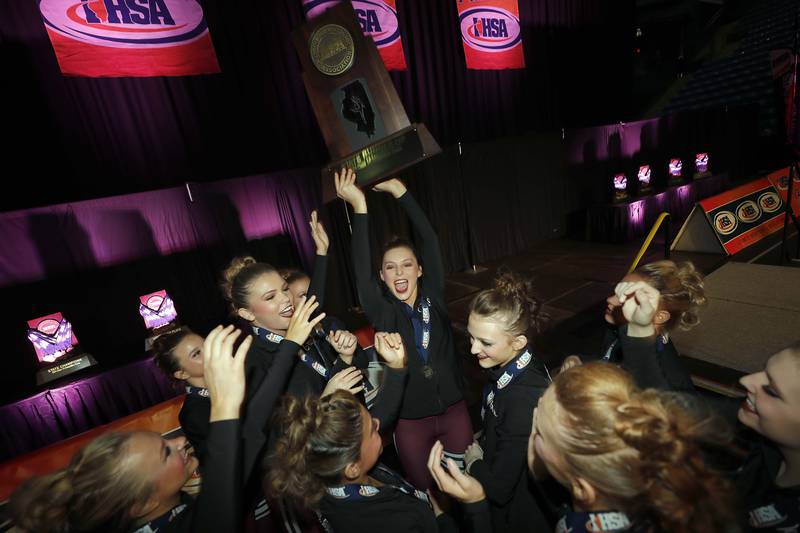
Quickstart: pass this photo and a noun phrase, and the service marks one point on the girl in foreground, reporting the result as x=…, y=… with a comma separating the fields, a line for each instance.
x=122, y=482
x=328, y=460
x=630, y=458
x=769, y=483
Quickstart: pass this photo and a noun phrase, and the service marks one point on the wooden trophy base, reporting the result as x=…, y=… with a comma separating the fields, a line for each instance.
x=383, y=159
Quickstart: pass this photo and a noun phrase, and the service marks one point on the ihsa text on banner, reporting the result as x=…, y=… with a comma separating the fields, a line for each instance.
x=378, y=19
x=113, y=38
x=491, y=34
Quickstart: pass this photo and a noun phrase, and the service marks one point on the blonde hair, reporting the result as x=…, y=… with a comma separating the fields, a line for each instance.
x=321, y=436
x=682, y=291
x=96, y=492
x=511, y=302
x=640, y=449
x=237, y=277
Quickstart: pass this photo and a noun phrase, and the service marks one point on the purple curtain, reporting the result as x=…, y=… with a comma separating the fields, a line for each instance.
x=62, y=412
x=71, y=238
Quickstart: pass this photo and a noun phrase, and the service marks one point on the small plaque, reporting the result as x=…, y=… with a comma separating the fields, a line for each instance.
x=332, y=49
x=64, y=368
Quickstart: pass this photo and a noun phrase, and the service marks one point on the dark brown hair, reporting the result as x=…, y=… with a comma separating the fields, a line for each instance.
x=321, y=436
x=397, y=242
x=164, y=350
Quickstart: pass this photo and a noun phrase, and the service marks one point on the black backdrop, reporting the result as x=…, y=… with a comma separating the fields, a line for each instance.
x=77, y=138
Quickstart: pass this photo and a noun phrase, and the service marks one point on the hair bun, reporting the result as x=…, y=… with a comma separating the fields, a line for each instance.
x=233, y=269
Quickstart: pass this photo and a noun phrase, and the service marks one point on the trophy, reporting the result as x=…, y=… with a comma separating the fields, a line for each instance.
x=357, y=107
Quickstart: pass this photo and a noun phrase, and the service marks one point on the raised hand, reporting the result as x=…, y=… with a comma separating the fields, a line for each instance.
x=350, y=379
x=347, y=190
x=224, y=372
x=301, y=325
x=569, y=362
x=390, y=347
x=344, y=343
x=394, y=186
x=318, y=234
x=639, y=306
x=452, y=481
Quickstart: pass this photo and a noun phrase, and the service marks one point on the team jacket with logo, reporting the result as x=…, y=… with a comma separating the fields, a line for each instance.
x=503, y=472
x=424, y=396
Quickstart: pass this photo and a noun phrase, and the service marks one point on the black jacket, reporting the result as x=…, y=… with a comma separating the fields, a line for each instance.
x=503, y=471
x=218, y=507
x=391, y=510
x=653, y=362
x=765, y=506
x=423, y=397
x=193, y=418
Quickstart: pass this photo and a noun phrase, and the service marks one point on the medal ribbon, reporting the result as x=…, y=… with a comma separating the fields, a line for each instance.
x=513, y=369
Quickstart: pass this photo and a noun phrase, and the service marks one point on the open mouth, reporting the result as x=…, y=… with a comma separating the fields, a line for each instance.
x=401, y=286
x=482, y=357
x=749, y=406
x=287, y=311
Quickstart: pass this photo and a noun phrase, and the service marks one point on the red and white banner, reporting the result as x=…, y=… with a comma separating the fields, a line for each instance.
x=744, y=215
x=378, y=19
x=114, y=38
x=491, y=34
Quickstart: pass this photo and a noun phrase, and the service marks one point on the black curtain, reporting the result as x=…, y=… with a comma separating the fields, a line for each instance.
x=78, y=138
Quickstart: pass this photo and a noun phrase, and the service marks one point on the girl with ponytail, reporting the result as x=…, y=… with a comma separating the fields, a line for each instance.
x=410, y=301
x=260, y=297
x=327, y=459
x=646, y=305
x=179, y=355
x=502, y=321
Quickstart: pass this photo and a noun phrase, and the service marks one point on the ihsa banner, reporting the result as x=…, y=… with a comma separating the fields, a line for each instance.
x=491, y=34
x=112, y=38
x=378, y=19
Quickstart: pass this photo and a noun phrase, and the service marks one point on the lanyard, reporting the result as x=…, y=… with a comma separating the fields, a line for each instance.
x=307, y=360
x=356, y=491
x=155, y=525
x=197, y=391
x=421, y=321
x=514, y=368
x=590, y=522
